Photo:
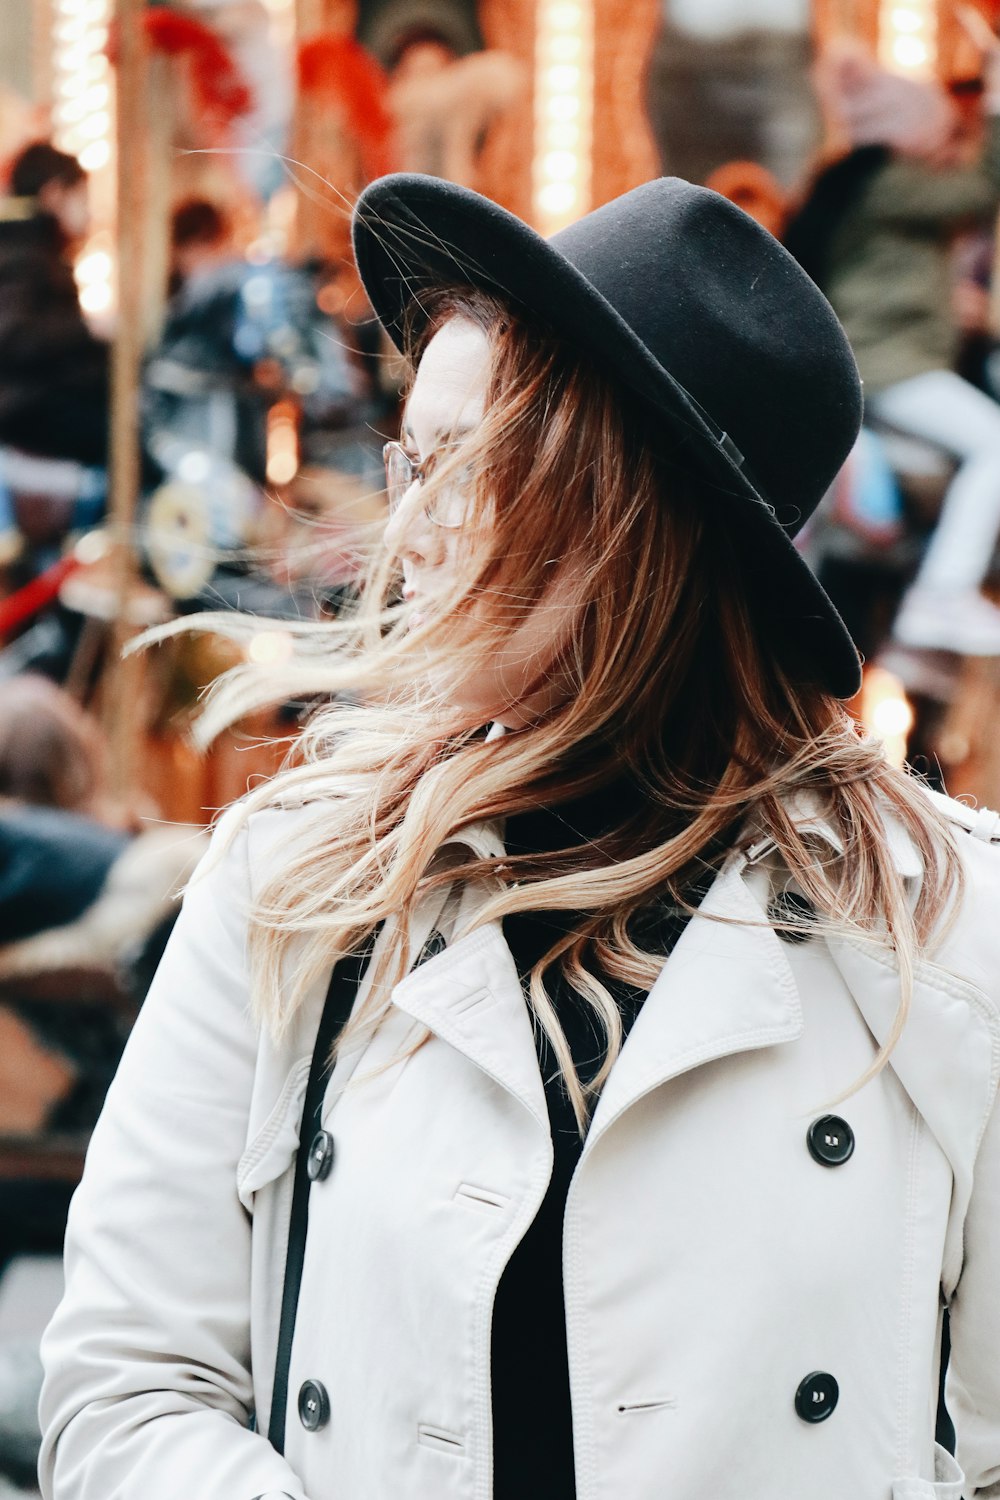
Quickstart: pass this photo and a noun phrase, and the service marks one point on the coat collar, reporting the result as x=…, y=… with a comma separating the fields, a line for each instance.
x=811, y=821
x=737, y=970
x=470, y=996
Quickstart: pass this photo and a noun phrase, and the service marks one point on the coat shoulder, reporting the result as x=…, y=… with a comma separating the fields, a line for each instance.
x=266, y=838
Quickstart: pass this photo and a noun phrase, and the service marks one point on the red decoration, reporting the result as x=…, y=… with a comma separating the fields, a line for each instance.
x=220, y=90
x=36, y=595
x=337, y=69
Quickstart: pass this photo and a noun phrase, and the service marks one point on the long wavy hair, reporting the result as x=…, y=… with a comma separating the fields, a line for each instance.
x=668, y=673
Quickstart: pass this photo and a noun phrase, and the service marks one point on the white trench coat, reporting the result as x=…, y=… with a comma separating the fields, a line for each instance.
x=712, y=1262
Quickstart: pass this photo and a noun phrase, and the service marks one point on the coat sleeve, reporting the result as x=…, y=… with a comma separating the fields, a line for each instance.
x=909, y=193
x=973, y=1385
x=147, y=1392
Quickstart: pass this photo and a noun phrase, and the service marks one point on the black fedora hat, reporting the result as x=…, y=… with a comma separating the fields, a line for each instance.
x=689, y=304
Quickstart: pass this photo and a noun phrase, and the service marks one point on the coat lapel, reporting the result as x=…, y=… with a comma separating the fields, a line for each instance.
x=470, y=994
x=726, y=987
x=471, y=997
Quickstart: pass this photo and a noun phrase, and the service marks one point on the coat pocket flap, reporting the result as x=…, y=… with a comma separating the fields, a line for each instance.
x=273, y=1148
x=947, y=1484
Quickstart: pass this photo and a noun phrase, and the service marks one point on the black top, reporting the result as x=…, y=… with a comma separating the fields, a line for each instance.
x=532, y=1417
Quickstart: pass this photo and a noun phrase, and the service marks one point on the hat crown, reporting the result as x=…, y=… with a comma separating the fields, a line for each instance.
x=723, y=308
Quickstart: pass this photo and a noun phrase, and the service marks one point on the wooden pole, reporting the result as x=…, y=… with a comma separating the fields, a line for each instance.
x=120, y=697
x=161, y=124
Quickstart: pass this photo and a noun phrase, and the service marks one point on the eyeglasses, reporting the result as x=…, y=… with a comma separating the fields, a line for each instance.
x=446, y=504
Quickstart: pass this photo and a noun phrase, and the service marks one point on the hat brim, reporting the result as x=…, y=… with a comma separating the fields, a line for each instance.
x=414, y=235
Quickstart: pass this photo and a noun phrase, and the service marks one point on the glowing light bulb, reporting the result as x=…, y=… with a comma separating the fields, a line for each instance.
x=95, y=126
x=892, y=717
x=95, y=156
x=559, y=166
x=908, y=35
x=96, y=298
x=564, y=135
x=910, y=51
x=271, y=648
x=562, y=78
x=565, y=48
x=562, y=107
x=94, y=266
x=557, y=197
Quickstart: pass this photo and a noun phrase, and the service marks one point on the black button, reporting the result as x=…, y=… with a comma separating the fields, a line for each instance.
x=789, y=906
x=816, y=1397
x=830, y=1140
x=314, y=1406
x=320, y=1158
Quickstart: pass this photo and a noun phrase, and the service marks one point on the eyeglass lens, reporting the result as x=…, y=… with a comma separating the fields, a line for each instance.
x=445, y=508
x=400, y=472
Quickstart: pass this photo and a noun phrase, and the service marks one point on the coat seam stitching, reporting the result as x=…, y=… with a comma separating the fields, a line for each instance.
x=906, y=1289
x=268, y=1132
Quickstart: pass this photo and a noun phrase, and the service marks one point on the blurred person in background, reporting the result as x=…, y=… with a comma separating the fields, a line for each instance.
x=204, y=279
x=52, y=752
x=444, y=106
x=87, y=901
x=84, y=881
x=201, y=238
x=53, y=370
x=972, y=300
x=876, y=234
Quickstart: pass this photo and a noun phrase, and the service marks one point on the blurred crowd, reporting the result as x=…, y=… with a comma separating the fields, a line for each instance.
x=899, y=231
x=267, y=393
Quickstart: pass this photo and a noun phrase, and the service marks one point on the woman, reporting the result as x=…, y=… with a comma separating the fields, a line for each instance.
x=581, y=1217
x=876, y=234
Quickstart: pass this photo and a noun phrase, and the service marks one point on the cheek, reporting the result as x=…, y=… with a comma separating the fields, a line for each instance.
x=518, y=671
x=532, y=648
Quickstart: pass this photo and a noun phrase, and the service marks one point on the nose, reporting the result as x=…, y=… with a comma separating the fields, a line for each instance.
x=409, y=534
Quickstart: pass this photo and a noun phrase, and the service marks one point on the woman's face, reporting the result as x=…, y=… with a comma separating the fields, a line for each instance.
x=447, y=403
